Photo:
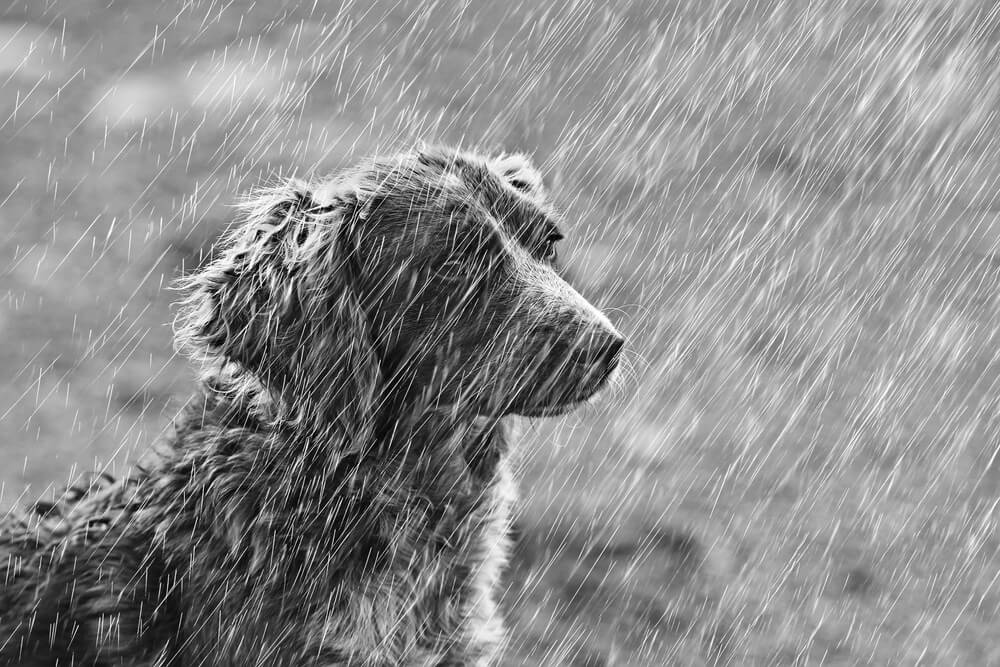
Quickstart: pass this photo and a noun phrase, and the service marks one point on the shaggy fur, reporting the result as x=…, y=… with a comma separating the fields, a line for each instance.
x=338, y=490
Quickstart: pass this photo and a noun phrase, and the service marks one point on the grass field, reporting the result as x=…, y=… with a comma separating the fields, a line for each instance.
x=791, y=208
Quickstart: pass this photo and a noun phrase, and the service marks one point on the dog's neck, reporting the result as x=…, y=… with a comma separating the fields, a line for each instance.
x=442, y=458
x=452, y=438
x=398, y=429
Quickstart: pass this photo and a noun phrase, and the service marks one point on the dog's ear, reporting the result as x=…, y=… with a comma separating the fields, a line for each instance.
x=279, y=303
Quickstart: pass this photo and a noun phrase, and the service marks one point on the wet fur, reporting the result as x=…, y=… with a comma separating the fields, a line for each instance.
x=338, y=490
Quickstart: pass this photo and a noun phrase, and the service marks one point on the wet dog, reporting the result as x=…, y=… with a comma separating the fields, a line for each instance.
x=338, y=491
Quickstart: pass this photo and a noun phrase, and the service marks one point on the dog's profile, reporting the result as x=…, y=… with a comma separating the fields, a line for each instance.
x=337, y=493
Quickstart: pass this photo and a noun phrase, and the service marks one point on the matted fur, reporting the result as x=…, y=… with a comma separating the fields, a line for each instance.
x=338, y=490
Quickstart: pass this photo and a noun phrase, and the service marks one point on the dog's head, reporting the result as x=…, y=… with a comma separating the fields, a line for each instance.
x=424, y=279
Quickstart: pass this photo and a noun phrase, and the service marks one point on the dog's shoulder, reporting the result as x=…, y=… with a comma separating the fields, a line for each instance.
x=73, y=567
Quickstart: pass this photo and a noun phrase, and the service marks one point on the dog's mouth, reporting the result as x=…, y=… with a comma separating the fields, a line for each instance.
x=548, y=411
x=562, y=404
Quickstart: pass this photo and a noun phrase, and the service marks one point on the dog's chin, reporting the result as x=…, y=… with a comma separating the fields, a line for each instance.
x=560, y=406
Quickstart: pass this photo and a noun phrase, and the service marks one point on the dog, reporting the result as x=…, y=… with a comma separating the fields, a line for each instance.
x=338, y=492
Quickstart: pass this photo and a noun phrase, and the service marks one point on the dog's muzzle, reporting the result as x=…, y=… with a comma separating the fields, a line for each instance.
x=577, y=351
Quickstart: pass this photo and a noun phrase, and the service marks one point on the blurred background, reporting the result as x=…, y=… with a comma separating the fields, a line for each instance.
x=791, y=208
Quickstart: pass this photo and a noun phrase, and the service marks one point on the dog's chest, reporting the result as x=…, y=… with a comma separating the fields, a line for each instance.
x=433, y=597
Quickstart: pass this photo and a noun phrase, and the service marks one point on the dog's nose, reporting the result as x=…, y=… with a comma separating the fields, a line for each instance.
x=612, y=350
x=601, y=352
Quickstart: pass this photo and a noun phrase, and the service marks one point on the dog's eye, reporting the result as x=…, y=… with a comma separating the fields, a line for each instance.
x=549, y=252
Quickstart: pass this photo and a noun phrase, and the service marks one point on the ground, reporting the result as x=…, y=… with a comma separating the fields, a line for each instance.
x=790, y=208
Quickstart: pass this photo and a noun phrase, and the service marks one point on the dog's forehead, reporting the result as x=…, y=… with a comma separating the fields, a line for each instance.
x=484, y=172
x=508, y=186
x=433, y=197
